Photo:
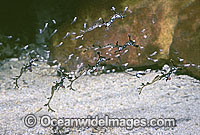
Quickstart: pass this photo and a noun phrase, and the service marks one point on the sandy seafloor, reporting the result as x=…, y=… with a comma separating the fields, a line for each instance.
x=113, y=94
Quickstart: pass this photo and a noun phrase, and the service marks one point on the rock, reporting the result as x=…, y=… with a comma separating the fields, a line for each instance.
x=185, y=49
x=150, y=23
x=13, y=59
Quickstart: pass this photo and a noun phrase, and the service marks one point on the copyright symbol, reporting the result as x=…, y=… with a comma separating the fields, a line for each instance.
x=30, y=120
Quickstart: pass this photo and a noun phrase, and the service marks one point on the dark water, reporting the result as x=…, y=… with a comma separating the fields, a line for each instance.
x=21, y=21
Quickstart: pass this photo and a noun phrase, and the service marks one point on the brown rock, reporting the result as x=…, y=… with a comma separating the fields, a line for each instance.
x=185, y=49
x=150, y=23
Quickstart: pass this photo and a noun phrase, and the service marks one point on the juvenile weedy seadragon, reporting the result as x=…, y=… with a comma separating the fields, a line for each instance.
x=164, y=76
x=25, y=68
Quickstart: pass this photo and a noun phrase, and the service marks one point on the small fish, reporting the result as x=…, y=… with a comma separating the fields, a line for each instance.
x=44, y=46
x=143, y=30
x=79, y=65
x=53, y=32
x=129, y=70
x=154, y=53
x=54, y=61
x=94, y=68
x=155, y=60
x=145, y=36
x=118, y=55
x=180, y=59
x=130, y=11
x=73, y=33
x=70, y=56
x=9, y=37
x=149, y=58
x=113, y=8
x=40, y=31
x=84, y=25
x=45, y=26
x=153, y=21
x=96, y=48
x=126, y=64
x=125, y=9
x=67, y=34
x=25, y=47
x=113, y=70
x=148, y=70
x=77, y=58
x=75, y=18
x=125, y=52
x=61, y=43
x=108, y=71
x=32, y=51
x=18, y=39
x=108, y=24
x=47, y=55
x=54, y=21
x=79, y=37
x=30, y=69
x=99, y=19
x=186, y=65
x=139, y=74
x=95, y=58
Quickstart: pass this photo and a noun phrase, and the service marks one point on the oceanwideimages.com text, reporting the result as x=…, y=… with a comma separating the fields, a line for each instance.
x=96, y=121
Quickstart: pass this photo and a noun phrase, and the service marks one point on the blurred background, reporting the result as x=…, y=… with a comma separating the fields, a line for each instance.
x=166, y=29
x=21, y=20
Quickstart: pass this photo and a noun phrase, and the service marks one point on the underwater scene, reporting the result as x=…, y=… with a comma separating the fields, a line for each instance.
x=95, y=67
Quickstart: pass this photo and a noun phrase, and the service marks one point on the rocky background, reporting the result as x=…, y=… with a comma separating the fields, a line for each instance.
x=164, y=30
